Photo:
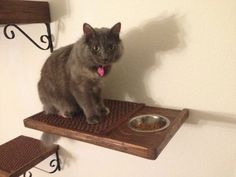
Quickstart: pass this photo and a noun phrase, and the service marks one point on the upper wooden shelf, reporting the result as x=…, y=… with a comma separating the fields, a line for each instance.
x=23, y=12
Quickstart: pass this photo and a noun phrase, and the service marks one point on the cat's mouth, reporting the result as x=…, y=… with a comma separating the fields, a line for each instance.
x=102, y=70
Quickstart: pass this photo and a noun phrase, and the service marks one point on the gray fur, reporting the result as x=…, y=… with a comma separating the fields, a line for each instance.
x=69, y=79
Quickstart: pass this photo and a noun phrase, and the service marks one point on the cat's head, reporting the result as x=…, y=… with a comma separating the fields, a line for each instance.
x=102, y=46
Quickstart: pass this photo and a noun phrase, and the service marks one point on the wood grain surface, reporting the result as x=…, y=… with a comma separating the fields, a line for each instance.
x=23, y=12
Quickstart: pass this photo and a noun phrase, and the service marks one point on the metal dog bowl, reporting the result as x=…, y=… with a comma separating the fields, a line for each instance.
x=148, y=123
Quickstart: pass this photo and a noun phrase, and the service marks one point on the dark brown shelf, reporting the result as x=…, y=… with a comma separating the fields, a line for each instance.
x=21, y=154
x=114, y=132
x=23, y=12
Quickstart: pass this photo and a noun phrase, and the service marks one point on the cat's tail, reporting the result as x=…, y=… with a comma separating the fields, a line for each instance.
x=49, y=139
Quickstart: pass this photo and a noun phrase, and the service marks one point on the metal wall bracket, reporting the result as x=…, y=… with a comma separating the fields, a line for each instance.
x=47, y=38
x=54, y=163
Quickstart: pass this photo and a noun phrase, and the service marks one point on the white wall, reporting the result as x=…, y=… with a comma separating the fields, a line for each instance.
x=179, y=54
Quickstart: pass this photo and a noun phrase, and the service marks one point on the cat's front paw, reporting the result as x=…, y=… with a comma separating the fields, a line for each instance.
x=93, y=119
x=104, y=111
x=68, y=114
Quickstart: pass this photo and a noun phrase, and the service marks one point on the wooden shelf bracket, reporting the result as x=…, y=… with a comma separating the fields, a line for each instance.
x=46, y=38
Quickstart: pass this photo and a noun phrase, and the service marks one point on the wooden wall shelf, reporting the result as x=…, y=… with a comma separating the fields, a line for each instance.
x=22, y=153
x=16, y=12
x=23, y=12
x=114, y=132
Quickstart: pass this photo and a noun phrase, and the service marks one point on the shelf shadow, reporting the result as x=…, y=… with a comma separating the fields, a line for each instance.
x=61, y=8
x=202, y=118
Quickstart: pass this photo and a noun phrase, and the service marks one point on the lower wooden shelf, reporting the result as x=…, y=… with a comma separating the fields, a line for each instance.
x=114, y=132
x=21, y=154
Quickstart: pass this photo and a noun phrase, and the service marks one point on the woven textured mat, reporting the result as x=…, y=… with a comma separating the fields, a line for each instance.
x=119, y=112
x=21, y=151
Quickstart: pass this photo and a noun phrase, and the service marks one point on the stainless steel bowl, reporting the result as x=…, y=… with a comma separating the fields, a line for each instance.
x=148, y=123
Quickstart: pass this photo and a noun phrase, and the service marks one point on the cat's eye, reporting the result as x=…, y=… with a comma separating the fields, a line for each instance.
x=111, y=47
x=96, y=48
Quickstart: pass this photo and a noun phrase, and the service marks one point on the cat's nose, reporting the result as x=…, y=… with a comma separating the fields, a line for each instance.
x=105, y=59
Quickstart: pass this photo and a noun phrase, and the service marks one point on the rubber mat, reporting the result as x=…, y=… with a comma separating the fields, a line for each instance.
x=120, y=111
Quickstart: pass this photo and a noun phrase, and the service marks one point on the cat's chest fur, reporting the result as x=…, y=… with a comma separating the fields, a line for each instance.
x=79, y=73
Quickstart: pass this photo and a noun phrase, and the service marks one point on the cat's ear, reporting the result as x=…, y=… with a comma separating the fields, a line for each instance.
x=88, y=30
x=116, y=28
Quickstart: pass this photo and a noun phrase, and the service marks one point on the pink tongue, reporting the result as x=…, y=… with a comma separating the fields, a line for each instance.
x=101, y=71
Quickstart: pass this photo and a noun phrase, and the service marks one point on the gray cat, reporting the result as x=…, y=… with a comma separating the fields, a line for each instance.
x=71, y=76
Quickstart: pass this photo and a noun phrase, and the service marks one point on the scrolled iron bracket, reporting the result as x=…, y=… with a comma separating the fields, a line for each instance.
x=54, y=163
x=29, y=173
x=47, y=39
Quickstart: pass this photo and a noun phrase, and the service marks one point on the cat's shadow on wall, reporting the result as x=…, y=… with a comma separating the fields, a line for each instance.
x=144, y=47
